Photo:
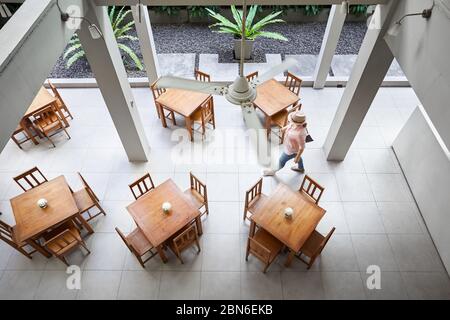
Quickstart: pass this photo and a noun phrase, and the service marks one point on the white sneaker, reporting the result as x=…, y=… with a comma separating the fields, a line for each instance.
x=269, y=172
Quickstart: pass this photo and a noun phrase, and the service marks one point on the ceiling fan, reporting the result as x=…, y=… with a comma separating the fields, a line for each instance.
x=240, y=92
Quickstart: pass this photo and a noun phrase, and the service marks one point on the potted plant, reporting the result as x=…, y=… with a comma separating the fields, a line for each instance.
x=252, y=30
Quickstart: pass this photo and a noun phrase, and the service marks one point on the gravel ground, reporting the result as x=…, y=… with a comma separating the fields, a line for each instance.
x=304, y=38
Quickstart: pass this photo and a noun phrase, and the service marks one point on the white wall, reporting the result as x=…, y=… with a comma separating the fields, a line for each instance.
x=426, y=164
x=422, y=49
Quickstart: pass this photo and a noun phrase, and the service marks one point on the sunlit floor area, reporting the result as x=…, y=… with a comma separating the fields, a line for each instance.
x=366, y=198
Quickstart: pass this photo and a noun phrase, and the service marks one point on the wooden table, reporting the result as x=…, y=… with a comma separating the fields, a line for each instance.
x=292, y=232
x=273, y=97
x=183, y=102
x=158, y=226
x=32, y=221
x=42, y=100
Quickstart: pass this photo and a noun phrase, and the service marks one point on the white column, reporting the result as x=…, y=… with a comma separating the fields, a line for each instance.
x=146, y=41
x=371, y=66
x=330, y=40
x=106, y=62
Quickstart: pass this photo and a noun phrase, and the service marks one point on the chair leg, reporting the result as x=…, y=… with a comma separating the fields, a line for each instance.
x=140, y=261
x=83, y=244
x=63, y=259
x=265, y=268
x=16, y=141
x=67, y=133
x=26, y=254
x=101, y=209
x=51, y=141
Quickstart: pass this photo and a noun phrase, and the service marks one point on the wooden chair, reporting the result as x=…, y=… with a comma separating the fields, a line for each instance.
x=60, y=102
x=254, y=199
x=280, y=120
x=63, y=239
x=48, y=123
x=86, y=199
x=26, y=137
x=30, y=179
x=183, y=240
x=264, y=246
x=159, y=108
x=138, y=244
x=252, y=76
x=314, y=246
x=198, y=194
x=201, y=76
x=293, y=83
x=143, y=185
x=311, y=189
x=203, y=116
x=7, y=235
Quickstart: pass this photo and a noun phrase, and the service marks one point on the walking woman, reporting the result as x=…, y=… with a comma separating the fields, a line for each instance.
x=295, y=133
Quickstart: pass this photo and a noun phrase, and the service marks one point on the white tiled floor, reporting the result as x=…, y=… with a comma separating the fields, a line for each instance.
x=366, y=197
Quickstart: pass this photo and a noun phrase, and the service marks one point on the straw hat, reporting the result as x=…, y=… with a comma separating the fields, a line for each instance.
x=297, y=117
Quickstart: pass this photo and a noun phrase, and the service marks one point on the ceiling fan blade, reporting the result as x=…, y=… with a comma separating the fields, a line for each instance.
x=216, y=88
x=258, y=137
x=276, y=70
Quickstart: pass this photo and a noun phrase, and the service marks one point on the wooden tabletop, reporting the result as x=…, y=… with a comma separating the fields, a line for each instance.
x=183, y=102
x=295, y=231
x=156, y=225
x=42, y=100
x=32, y=220
x=272, y=97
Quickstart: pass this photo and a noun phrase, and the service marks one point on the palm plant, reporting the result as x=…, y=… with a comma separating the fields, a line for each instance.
x=121, y=31
x=252, y=30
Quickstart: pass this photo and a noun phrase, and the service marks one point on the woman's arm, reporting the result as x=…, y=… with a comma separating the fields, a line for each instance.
x=299, y=154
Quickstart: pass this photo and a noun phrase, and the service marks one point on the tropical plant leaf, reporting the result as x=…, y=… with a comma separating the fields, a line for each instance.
x=271, y=35
x=129, y=37
x=71, y=49
x=121, y=17
x=116, y=19
x=267, y=20
x=120, y=31
x=251, y=16
x=75, y=58
x=237, y=16
x=111, y=13
x=132, y=55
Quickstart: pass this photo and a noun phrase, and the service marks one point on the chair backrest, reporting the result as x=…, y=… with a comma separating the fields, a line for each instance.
x=207, y=109
x=55, y=92
x=258, y=250
x=198, y=186
x=47, y=117
x=156, y=91
x=293, y=83
x=295, y=107
x=186, y=238
x=6, y=234
x=311, y=188
x=323, y=243
x=201, y=76
x=253, y=193
x=88, y=188
x=124, y=238
x=30, y=179
x=142, y=186
x=61, y=241
x=252, y=76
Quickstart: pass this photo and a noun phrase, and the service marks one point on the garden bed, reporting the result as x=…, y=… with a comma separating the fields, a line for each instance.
x=304, y=38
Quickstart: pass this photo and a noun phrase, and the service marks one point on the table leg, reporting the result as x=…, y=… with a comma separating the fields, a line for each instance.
x=161, y=115
x=39, y=248
x=268, y=125
x=162, y=254
x=85, y=223
x=198, y=222
x=289, y=258
x=252, y=229
x=189, y=128
x=28, y=132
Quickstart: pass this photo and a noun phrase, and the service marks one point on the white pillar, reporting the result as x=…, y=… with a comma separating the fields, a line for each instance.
x=106, y=62
x=330, y=40
x=146, y=41
x=371, y=66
